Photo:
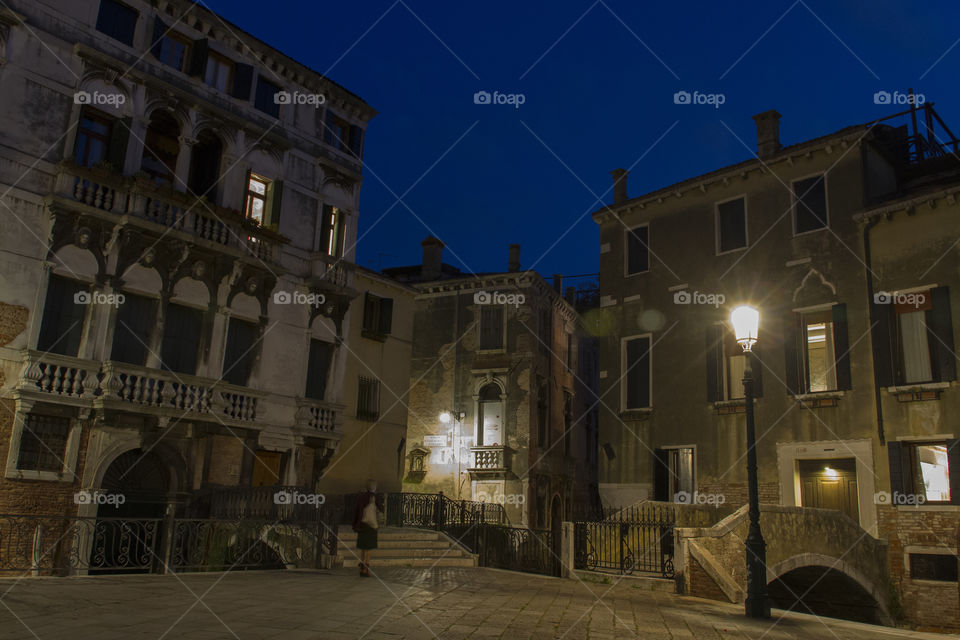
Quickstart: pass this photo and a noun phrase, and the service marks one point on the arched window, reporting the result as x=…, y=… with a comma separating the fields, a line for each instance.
x=490, y=431
x=205, y=165
x=162, y=148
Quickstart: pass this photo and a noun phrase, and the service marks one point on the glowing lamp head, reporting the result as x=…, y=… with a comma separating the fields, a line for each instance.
x=746, y=322
x=445, y=417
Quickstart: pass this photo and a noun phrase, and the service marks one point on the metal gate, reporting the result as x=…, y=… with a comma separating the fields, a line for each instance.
x=638, y=540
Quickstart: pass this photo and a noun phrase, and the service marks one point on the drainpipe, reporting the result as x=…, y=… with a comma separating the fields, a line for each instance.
x=877, y=398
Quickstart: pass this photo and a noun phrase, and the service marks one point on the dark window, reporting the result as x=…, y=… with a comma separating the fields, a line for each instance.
x=172, y=50
x=43, y=443
x=571, y=351
x=266, y=98
x=182, y=327
x=336, y=131
x=933, y=566
x=731, y=225
x=136, y=318
x=567, y=420
x=219, y=73
x=63, y=315
x=637, y=373
x=543, y=411
x=161, y=148
x=93, y=139
x=205, y=165
x=321, y=355
x=491, y=327
x=377, y=316
x=546, y=330
x=368, y=399
x=810, y=211
x=638, y=250
x=117, y=21
x=241, y=352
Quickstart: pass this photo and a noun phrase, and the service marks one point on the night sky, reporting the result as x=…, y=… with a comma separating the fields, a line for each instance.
x=598, y=82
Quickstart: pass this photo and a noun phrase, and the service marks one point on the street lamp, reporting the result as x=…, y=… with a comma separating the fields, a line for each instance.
x=457, y=416
x=746, y=321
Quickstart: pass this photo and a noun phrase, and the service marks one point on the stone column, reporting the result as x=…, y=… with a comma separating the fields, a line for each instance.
x=182, y=170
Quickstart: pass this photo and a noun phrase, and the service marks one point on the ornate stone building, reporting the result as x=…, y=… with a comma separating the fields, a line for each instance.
x=180, y=206
x=502, y=390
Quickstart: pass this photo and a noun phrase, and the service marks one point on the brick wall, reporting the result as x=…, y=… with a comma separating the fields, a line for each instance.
x=702, y=585
x=225, y=463
x=927, y=604
x=13, y=322
x=736, y=492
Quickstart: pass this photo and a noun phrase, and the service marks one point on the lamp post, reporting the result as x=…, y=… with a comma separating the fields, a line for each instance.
x=746, y=321
x=457, y=417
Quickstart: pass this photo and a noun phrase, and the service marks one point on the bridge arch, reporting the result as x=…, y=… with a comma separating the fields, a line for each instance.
x=800, y=576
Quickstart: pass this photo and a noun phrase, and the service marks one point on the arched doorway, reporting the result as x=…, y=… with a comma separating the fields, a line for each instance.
x=826, y=592
x=131, y=504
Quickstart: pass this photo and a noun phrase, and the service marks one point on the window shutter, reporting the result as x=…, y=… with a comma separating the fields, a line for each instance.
x=953, y=468
x=159, y=29
x=895, y=452
x=242, y=80
x=661, y=476
x=131, y=334
x=321, y=354
x=276, y=197
x=792, y=355
x=940, y=325
x=198, y=57
x=61, y=327
x=883, y=321
x=117, y=149
x=386, y=315
x=841, y=346
x=757, y=371
x=638, y=373
x=714, y=362
x=181, y=338
x=369, y=312
x=240, y=352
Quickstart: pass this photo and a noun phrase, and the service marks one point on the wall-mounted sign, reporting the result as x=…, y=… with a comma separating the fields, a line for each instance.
x=435, y=441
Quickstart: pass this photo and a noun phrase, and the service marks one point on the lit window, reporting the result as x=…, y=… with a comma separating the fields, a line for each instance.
x=914, y=345
x=331, y=231
x=256, y=198
x=820, y=352
x=933, y=472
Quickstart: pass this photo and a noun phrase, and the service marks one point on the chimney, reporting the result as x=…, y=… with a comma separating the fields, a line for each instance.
x=513, y=264
x=558, y=283
x=432, y=258
x=619, y=185
x=768, y=133
x=571, y=296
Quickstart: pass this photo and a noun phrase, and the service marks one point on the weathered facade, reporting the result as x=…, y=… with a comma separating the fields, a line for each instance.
x=176, y=257
x=376, y=379
x=852, y=273
x=501, y=391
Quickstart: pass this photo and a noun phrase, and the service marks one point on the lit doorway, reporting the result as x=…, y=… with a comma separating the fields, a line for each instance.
x=830, y=484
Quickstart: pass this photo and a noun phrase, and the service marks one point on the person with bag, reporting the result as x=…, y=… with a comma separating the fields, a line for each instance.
x=369, y=504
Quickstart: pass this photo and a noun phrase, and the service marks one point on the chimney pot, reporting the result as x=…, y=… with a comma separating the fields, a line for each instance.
x=432, y=258
x=558, y=283
x=513, y=264
x=619, y=185
x=768, y=133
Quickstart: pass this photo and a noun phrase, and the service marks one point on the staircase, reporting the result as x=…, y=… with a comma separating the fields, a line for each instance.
x=405, y=547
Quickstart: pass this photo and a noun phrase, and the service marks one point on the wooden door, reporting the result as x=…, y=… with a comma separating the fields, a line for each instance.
x=830, y=484
x=266, y=468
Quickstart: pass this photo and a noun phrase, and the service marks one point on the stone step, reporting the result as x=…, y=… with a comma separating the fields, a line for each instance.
x=449, y=552
x=420, y=562
x=411, y=535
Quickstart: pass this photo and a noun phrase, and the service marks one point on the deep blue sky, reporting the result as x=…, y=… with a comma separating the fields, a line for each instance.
x=597, y=100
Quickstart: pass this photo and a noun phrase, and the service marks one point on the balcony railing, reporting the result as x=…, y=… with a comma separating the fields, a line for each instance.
x=60, y=375
x=317, y=415
x=489, y=458
x=108, y=191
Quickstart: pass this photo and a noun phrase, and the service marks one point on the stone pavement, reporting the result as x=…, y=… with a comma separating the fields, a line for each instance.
x=445, y=603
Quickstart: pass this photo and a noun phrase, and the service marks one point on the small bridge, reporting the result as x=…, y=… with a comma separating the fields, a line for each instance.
x=818, y=561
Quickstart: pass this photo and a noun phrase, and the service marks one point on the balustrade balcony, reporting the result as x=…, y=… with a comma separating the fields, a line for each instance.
x=489, y=459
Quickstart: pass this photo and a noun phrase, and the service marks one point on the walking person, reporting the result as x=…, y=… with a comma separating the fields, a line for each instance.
x=369, y=504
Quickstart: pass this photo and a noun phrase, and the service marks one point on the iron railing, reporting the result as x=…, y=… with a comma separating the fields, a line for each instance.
x=513, y=548
x=437, y=511
x=636, y=539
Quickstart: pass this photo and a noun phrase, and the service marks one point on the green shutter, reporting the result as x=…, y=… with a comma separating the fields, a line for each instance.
x=276, y=197
x=119, y=137
x=386, y=315
x=198, y=58
x=841, y=346
x=793, y=354
x=940, y=324
x=714, y=363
